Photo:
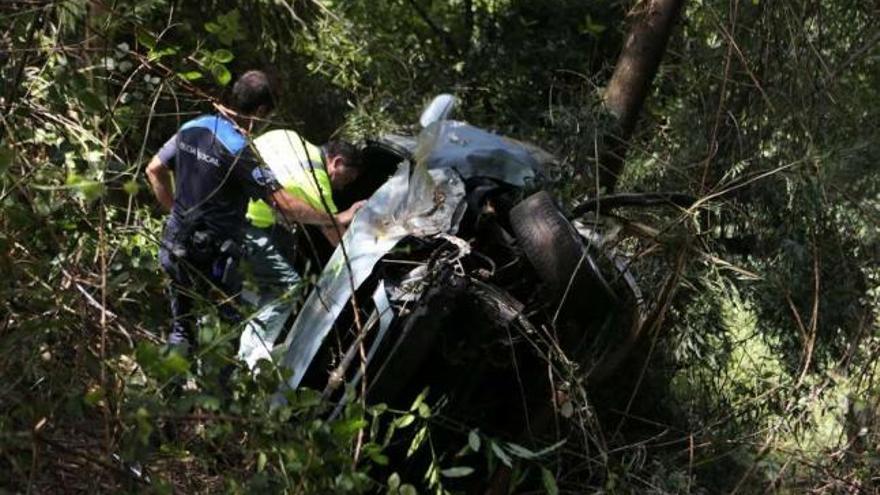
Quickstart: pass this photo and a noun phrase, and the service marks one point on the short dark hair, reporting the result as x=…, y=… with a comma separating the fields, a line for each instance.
x=350, y=153
x=251, y=91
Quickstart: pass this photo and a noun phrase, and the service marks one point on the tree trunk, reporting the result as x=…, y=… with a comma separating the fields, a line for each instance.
x=626, y=92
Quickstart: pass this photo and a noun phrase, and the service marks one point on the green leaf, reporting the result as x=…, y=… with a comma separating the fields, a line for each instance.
x=408, y=490
x=174, y=364
x=417, y=441
x=92, y=190
x=404, y=421
x=457, y=472
x=589, y=26
x=154, y=54
x=551, y=448
x=230, y=19
x=262, y=459
x=393, y=482
x=131, y=187
x=221, y=74
x=226, y=27
x=520, y=451
x=499, y=452
x=146, y=39
x=379, y=458
x=144, y=426
x=421, y=398
x=190, y=75
x=374, y=452
x=549, y=482
x=432, y=475
x=222, y=56
x=349, y=427
x=474, y=440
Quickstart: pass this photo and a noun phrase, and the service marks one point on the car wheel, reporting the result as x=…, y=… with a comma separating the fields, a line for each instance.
x=555, y=250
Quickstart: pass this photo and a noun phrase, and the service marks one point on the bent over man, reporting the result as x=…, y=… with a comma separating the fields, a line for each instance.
x=311, y=174
x=214, y=175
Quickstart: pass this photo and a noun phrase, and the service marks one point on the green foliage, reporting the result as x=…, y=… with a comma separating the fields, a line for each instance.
x=760, y=371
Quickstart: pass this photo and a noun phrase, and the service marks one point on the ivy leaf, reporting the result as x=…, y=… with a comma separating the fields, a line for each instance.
x=221, y=74
x=226, y=27
x=223, y=56
x=190, y=75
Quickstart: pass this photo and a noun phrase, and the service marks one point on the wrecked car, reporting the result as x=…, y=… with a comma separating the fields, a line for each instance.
x=460, y=274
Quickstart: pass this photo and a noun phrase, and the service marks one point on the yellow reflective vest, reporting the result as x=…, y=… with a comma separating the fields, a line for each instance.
x=299, y=167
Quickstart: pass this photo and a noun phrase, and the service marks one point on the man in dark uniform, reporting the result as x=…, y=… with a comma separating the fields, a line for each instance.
x=215, y=174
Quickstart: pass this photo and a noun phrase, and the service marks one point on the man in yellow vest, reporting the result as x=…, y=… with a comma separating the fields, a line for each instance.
x=311, y=174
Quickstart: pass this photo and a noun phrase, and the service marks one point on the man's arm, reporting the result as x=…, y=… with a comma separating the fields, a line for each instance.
x=333, y=234
x=160, y=181
x=296, y=210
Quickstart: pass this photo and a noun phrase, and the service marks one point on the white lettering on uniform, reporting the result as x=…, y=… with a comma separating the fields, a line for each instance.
x=199, y=154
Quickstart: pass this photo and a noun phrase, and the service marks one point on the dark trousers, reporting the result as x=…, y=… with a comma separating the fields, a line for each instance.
x=214, y=278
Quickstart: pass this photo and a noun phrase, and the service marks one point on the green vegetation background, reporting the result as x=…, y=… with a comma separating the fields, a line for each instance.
x=759, y=374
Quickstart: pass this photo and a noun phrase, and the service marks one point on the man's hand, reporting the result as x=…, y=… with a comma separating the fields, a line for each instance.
x=160, y=181
x=345, y=218
x=333, y=233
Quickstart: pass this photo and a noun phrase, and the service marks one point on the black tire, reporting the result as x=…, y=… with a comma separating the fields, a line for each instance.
x=555, y=249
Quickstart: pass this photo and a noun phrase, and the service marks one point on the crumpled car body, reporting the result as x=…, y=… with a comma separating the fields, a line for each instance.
x=423, y=198
x=447, y=274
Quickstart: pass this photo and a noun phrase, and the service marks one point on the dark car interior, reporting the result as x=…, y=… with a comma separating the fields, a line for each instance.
x=380, y=160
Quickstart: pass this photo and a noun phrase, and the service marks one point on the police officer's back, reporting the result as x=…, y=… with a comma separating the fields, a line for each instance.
x=215, y=174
